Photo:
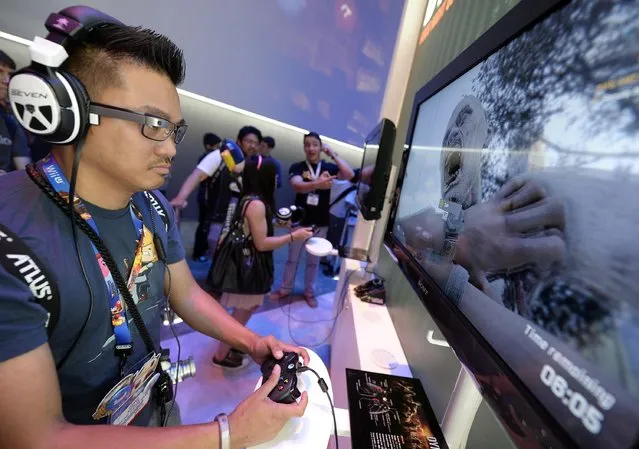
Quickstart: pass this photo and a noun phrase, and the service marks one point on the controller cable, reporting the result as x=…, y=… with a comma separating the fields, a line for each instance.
x=324, y=387
x=332, y=319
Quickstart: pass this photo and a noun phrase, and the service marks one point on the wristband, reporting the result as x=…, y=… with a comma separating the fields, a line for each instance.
x=225, y=433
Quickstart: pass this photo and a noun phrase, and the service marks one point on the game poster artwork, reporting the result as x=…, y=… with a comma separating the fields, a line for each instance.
x=538, y=147
x=390, y=412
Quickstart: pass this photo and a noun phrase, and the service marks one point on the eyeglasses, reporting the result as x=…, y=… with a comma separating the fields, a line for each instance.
x=153, y=128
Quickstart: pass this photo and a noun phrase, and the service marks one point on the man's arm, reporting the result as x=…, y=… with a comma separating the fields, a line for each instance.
x=300, y=186
x=203, y=313
x=205, y=169
x=191, y=183
x=345, y=170
x=31, y=415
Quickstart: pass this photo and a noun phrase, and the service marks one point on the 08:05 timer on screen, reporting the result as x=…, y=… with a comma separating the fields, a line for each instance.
x=590, y=416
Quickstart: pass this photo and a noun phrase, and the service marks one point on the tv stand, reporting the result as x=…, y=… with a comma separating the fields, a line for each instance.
x=461, y=410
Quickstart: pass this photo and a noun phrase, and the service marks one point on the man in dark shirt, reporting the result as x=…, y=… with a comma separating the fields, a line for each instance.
x=311, y=180
x=14, y=148
x=200, y=246
x=266, y=149
x=52, y=386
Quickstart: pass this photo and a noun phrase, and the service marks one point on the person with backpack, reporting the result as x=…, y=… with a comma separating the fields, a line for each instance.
x=221, y=190
x=204, y=202
x=14, y=147
x=253, y=227
x=82, y=308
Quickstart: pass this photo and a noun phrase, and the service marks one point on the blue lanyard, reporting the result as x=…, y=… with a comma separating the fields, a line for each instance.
x=123, y=342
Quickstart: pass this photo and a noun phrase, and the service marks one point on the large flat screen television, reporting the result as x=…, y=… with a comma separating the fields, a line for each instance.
x=516, y=219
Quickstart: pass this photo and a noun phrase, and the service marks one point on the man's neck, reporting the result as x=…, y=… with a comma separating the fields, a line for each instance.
x=92, y=185
x=314, y=162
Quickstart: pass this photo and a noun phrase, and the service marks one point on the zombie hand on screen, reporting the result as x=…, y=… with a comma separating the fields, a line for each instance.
x=520, y=227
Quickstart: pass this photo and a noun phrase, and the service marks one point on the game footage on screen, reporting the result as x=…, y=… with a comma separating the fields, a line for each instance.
x=524, y=171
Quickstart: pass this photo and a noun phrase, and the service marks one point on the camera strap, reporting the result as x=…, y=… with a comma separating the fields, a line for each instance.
x=20, y=261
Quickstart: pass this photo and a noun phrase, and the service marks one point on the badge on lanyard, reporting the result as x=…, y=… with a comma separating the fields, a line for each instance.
x=129, y=396
x=312, y=198
x=125, y=401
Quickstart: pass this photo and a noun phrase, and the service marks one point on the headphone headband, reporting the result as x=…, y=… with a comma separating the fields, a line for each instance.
x=70, y=26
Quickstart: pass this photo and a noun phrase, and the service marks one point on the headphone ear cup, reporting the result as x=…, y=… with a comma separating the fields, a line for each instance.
x=78, y=127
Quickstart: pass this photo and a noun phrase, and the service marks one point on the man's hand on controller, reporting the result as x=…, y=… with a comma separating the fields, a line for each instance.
x=258, y=419
x=264, y=347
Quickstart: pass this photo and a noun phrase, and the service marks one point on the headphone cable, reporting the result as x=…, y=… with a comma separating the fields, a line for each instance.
x=74, y=177
x=163, y=257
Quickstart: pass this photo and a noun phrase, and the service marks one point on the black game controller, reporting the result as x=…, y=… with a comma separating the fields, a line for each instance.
x=285, y=392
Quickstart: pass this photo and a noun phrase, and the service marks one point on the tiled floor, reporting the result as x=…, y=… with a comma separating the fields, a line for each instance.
x=215, y=390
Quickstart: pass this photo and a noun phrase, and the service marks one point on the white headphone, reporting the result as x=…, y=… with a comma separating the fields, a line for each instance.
x=48, y=102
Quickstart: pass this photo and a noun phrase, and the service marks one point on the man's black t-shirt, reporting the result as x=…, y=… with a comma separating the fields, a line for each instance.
x=315, y=215
x=219, y=196
x=92, y=368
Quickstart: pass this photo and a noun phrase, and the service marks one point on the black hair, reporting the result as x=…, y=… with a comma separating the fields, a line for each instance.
x=5, y=59
x=269, y=141
x=211, y=139
x=246, y=130
x=96, y=60
x=260, y=181
x=314, y=135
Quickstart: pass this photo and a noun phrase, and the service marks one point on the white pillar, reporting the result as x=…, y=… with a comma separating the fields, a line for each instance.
x=371, y=235
x=410, y=28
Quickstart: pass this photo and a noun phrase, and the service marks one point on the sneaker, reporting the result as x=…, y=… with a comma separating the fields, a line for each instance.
x=310, y=300
x=231, y=362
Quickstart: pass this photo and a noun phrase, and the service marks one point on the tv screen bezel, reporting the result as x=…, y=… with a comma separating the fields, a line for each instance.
x=472, y=349
x=386, y=131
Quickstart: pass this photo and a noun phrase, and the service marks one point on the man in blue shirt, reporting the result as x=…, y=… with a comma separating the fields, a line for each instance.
x=14, y=148
x=53, y=386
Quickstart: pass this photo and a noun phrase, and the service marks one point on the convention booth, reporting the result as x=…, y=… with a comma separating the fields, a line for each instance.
x=487, y=297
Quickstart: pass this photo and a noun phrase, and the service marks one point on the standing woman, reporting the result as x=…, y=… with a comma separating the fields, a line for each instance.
x=311, y=180
x=257, y=204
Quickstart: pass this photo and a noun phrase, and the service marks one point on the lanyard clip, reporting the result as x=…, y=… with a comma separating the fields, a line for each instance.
x=123, y=351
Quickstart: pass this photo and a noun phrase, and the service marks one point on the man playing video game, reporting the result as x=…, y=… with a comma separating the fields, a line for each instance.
x=47, y=406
